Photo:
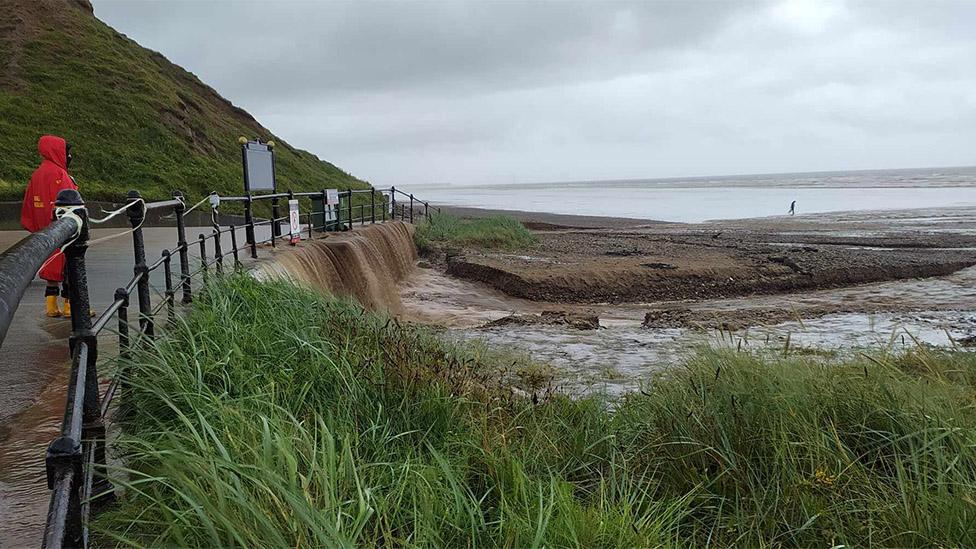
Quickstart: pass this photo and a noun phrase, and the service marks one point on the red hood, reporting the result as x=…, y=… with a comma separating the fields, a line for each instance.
x=55, y=149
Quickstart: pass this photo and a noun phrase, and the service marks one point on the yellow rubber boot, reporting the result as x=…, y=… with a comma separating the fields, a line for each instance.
x=51, y=303
x=67, y=309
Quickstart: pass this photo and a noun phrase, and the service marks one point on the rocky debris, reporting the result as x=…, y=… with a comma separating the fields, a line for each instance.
x=968, y=341
x=623, y=252
x=736, y=319
x=789, y=262
x=579, y=321
x=666, y=266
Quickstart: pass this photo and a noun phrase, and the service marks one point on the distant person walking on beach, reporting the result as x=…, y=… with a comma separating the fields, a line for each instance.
x=793, y=207
x=36, y=213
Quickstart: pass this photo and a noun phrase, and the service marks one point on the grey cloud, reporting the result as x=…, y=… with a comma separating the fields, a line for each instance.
x=503, y=91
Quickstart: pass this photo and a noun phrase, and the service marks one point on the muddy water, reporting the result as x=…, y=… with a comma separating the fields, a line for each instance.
x=622, y=354
x=366, y=264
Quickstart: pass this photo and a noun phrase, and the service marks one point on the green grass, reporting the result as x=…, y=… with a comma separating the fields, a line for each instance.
x=498, y=231
x=275, y=417
x=135, y=120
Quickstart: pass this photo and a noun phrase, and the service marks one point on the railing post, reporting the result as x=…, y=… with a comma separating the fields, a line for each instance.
x=233, y=243
x=169, y=293
x=218, y=251
x=372, y=205
x=411, y=208
x=203, y=256
x=136, y=217
x=426, y=210
x=184, y=252
x=325, y=211
x=65, y=454
x=249, y=226
x=384, y=205
x=275, y=214
x=349, y=207
x=273, y=238
x=392, y=202
x=123, y=316
x=291, y=196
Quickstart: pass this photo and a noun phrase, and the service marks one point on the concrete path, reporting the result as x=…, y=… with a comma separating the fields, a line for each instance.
x=34, y=368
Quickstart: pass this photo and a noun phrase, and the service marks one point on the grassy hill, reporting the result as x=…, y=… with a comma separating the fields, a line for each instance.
x=134, y=119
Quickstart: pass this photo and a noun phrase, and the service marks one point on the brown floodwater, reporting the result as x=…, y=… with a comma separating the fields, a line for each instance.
x=623, y=355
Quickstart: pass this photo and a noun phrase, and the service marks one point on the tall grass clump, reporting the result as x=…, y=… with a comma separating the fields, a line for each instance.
x=497, y=231
x=274, y=417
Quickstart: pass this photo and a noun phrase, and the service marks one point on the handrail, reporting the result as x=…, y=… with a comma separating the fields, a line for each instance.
x=76, y=459
x=20, y=263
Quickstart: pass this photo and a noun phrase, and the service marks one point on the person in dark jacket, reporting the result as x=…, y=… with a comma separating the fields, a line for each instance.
x=38, y=207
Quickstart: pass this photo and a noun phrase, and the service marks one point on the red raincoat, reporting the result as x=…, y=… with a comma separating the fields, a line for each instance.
x=37, y=211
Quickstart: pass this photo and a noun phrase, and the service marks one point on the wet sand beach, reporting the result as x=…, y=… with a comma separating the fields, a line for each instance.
x=596, y=260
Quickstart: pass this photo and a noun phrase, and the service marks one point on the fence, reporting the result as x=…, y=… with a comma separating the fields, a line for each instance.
x=75, y=460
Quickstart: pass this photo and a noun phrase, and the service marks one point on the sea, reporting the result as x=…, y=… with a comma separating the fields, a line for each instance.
x=697, y=199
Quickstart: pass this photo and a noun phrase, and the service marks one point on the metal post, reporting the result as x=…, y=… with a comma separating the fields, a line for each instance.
x=325, y=211
x=275, y=214
x=411, y=208
x=274, y=221
x=291, y=196
x=233, y=243
x=218, y=251
x=249, y=226
x=123, y=316
x=392, y=202
x=184, y=252
x=426, y=210
x=170, y=294
x=349, y=206
x=203, y=255
x=64, y=461
x=372, y=205
x=384, y=205
x=137, y=214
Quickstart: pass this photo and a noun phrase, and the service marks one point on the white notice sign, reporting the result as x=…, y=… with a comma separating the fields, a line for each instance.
x=296, y=230
x=332, y=197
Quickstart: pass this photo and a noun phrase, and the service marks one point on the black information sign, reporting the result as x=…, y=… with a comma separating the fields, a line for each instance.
x=259, y=168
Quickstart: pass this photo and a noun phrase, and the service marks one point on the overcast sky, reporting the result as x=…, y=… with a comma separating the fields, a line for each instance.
x=503, y=92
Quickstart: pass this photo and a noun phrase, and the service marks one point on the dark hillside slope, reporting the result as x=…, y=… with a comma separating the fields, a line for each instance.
x=135, y=120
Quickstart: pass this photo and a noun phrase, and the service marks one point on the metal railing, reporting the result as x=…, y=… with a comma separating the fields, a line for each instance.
x=75, y=460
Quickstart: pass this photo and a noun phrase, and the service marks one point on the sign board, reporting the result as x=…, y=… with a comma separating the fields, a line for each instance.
x=259, y=169
x=296, y=230
x=332, y=197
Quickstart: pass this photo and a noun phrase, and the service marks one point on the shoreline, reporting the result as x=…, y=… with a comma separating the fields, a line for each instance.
x=581, y=221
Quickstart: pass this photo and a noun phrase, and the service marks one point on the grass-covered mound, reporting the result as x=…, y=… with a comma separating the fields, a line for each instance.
x=497, y=231
x=275, y=417
x=134, y=119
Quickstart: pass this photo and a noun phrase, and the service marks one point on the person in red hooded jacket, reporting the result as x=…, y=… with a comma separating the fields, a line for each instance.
x=37, y=211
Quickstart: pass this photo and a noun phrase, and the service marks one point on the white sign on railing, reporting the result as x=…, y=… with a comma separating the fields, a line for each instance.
x=332, y=197
x=293, y=219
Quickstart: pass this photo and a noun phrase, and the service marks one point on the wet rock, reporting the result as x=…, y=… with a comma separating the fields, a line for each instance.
x=579, y=321
x=624, y=252
x=968, y=341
